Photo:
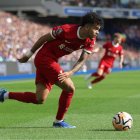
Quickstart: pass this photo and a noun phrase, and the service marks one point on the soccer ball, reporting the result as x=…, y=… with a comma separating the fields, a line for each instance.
x=122, y=121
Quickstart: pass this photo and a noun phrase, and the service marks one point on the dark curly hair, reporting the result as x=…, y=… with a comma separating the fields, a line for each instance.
x=92, y=18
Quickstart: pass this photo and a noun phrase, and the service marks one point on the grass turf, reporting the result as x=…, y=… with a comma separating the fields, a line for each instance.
x=91, y=110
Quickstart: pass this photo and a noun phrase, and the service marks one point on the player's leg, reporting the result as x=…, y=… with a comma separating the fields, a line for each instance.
x=98, y=78
x=89, y=76
x=98, y=73
x=38, y=97
x=102, y=72
x=65, y=99
x=28, y=97
x=50, y=72
x=94, y=74
x=42, y=93
x=107, y=71
x=100, y=69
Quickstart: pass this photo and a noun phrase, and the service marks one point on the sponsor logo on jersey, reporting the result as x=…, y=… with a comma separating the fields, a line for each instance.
x=67, y=41
x=63, y=47
x=57, y=31
x=111, y=54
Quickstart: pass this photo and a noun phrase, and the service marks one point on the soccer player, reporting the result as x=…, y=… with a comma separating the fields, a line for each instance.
x=112, y=50
x=62, y=40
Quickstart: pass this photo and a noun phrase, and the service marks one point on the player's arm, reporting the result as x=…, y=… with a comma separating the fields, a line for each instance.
x=45, y=38
x=121, y=60
x=84, y=56
x=97, y=48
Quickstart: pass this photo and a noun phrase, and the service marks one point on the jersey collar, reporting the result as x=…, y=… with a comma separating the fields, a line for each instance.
x=115, y=45
x=78, y=33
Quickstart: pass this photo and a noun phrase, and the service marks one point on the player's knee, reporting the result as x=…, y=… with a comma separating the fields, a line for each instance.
x=100, y=74
x=71, y=88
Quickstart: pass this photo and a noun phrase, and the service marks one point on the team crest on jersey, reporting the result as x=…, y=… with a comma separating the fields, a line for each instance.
x=57, y=31
x=117, y=51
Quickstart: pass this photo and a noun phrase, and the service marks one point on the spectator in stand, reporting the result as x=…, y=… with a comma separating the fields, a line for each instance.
x=101, y=3
x=13, y=37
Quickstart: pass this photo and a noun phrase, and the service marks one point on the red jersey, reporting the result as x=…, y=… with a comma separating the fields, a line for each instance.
x=111, y=52
x=66, y=40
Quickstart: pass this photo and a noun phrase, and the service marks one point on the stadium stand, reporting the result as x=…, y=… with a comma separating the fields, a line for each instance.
x=15, y=40
x=101, y=3
x=24, y=7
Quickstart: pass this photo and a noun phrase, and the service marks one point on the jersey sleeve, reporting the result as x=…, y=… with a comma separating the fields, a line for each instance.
x=57, y=32
x=89, y=45
x=105, y=45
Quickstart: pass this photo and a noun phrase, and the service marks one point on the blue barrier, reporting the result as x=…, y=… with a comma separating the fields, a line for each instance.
x=113, y=70
x=31, y=76
x=17, y=77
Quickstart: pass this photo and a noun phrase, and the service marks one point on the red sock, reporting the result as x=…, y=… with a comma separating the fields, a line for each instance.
x=64, y=103
x=95, y=74
x=27, y=97
x=97, y=79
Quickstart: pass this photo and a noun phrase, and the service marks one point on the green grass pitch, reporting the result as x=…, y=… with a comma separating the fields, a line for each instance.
x=91, y=111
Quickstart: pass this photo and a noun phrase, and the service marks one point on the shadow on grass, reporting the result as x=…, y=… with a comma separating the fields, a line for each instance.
x=37, y=127
x=24, y=127
x=101, y=130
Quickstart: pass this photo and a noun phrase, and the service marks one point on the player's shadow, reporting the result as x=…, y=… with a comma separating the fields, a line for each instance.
x=24, y=127
x=101, y=130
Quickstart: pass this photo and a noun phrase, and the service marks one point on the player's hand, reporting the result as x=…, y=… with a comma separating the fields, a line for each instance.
x=23, y=59
x=63, y=76
x=95, y=50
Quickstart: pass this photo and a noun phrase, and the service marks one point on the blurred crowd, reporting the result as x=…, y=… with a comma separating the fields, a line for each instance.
x=17, y=36
x=101, y=3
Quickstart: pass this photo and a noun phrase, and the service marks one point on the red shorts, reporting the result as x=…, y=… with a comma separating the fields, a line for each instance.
x=47, y=71
x=105, y=67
